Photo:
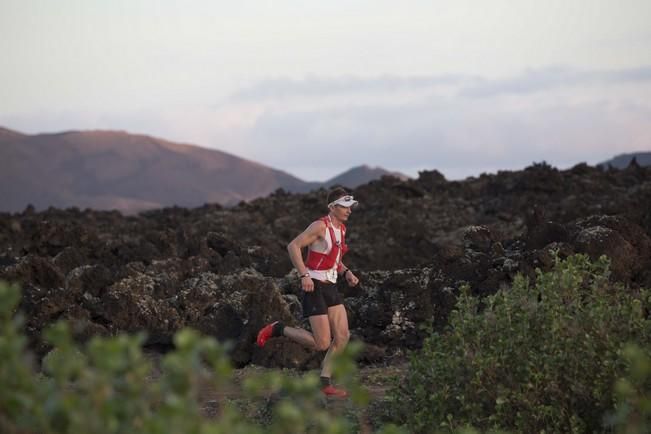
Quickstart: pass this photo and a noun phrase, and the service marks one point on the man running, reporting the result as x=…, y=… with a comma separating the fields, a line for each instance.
x=322, y=303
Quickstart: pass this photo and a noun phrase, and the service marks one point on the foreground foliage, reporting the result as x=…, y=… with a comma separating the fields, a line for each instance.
x=109, y=386
x=551, y=356
x=569, y=353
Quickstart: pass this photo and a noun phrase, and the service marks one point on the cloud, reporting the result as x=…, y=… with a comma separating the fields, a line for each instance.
x=531, y=80
x=280, y=88
x=580, y=116
x=460, y=125
x=556, y=77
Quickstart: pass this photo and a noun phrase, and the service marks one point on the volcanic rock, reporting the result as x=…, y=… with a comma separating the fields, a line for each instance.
x=415, y=244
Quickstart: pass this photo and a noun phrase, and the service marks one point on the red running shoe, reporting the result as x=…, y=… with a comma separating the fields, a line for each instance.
x=265, y=333
x=334, y=392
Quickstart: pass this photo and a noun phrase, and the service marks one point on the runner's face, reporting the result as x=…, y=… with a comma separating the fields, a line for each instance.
x=341, y=212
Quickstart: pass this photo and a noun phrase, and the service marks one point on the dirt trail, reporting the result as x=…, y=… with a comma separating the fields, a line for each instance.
x=375, y=380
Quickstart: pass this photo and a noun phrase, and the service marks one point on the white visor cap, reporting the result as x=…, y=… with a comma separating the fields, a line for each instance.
x=345, y=201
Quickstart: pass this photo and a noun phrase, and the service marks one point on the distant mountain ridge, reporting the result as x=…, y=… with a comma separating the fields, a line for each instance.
x=359, y=175
x=622, y=161
x=132, y=172
x=7, y=134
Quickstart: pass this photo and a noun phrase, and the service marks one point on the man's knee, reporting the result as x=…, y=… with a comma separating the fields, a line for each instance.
x=322, y=344
x=342, y=338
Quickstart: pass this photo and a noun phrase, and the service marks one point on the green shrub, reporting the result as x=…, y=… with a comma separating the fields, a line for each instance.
x=632, y=413
x=540, y=357
x=109, y=386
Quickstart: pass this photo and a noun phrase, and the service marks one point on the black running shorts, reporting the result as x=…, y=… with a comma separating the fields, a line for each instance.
x=318, y=301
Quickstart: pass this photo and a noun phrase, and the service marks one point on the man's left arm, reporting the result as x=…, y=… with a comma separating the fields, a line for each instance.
x=348, y=274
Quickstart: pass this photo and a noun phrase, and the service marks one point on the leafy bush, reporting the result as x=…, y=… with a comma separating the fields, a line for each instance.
x=540, y=357
x=109, y=386
x=632, y=413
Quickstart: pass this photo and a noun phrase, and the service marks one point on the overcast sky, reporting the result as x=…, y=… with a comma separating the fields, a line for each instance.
x=314, y=88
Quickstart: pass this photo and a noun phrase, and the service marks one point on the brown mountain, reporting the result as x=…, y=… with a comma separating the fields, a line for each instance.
x=127, y=172
x=361, y=175
x=6, y=134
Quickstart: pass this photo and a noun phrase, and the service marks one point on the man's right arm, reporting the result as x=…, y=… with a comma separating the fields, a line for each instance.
x=304, y=239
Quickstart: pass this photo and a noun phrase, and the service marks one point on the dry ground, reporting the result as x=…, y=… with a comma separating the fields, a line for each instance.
x=375, y=380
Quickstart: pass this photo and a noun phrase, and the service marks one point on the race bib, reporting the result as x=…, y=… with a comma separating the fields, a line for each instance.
x=331, y=275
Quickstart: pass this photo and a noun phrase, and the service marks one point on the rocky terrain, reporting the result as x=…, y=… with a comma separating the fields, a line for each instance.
x=414, y=244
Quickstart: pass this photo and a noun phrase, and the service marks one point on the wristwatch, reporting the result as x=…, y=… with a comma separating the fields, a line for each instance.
x=305, y=275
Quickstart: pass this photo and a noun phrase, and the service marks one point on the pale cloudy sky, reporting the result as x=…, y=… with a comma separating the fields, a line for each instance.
x=314, y=88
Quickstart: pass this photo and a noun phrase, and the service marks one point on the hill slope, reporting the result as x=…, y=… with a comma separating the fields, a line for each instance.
x=128, y=172
x=623, y=160
x=359, y=175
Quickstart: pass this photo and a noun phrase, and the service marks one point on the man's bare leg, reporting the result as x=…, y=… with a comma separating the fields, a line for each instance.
x=338, y=320
x=320, y=337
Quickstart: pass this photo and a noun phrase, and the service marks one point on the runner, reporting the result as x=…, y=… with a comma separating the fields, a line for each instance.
x=322, y=303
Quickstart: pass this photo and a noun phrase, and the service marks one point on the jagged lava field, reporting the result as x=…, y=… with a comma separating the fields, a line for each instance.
x=414, y=243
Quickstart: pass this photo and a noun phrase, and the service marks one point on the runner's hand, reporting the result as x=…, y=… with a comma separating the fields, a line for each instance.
x=307, y=284
x=351, y=278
